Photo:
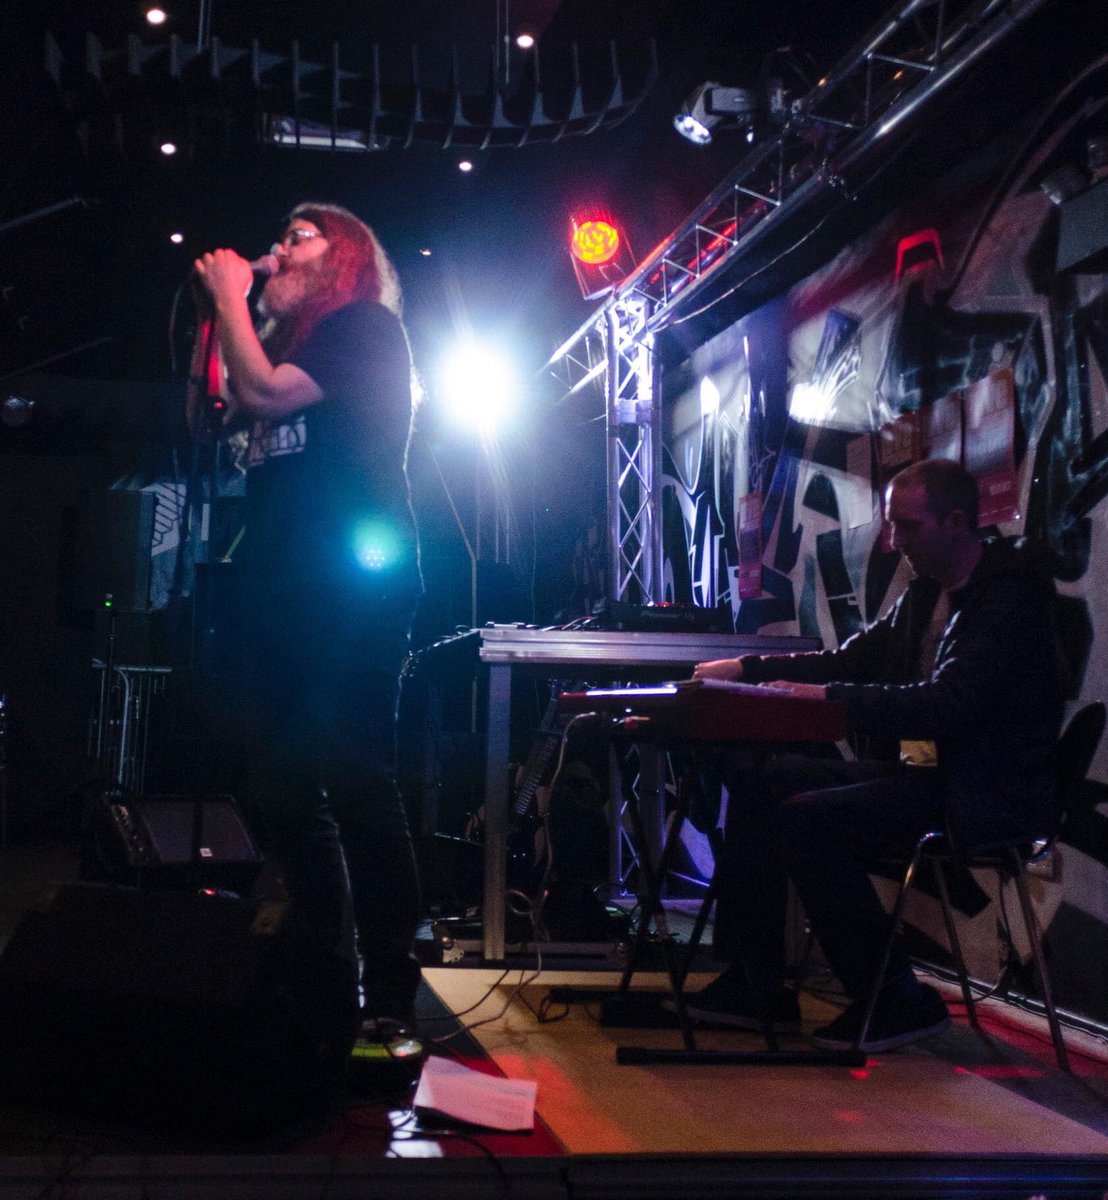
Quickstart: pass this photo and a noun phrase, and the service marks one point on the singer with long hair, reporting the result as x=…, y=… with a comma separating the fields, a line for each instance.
x=327, y=573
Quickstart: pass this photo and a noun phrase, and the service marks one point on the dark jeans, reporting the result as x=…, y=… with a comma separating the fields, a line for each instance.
x=822, y=822
x=317, y=704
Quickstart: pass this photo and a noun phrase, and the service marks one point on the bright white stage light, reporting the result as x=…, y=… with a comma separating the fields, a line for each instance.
x=478, y=387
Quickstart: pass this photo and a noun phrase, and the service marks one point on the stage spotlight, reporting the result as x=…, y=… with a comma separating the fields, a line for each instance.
x=375, y=546
x=526, y=41
x=594, y=242
x=599, y=251
x=477, y=387
x=713, y=105
x=156, y=15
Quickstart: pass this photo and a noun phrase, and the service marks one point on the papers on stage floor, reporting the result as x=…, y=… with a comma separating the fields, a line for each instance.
x=448, y=1088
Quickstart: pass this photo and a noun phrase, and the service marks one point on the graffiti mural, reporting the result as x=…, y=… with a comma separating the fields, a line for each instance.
x=951, y=329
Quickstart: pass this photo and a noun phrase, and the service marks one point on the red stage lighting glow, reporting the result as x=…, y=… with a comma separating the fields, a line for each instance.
x=594, y=242
x=1002, y=1071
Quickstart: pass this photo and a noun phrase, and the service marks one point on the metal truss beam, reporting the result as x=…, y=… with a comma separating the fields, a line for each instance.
x=634, y=458
x=888, y=78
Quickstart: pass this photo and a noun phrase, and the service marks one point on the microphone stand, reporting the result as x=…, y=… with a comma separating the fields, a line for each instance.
x=208, y=431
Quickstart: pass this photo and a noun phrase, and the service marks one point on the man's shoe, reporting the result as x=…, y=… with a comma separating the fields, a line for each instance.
x=727, y=1001
x=896, y=1022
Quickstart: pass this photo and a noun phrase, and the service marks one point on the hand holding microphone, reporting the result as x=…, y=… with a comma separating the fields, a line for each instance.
x=265, y=266
x=224, y=273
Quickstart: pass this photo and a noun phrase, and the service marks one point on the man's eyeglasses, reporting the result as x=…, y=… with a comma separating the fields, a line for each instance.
x=295, y=236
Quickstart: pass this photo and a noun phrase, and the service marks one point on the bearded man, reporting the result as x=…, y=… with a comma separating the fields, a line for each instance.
x=328, y=575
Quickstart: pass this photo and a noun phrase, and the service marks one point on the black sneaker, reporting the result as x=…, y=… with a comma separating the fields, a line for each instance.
x=727, y=1001
x=896, y=1022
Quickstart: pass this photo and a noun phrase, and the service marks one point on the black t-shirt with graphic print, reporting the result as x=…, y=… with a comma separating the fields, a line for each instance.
x=327, y=499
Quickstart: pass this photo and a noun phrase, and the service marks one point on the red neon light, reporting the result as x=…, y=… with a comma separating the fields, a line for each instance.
x=932, y=251
x=594, y=242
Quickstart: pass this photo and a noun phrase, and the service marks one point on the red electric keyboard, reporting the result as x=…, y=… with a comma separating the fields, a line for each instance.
x=713, y=710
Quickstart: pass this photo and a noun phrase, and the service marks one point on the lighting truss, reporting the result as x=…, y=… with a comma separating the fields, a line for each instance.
x=337, y=106
x=829, y=136
x=634, y=458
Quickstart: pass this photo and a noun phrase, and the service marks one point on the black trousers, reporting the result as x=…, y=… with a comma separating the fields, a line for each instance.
x=824, y=823
x=316, y=699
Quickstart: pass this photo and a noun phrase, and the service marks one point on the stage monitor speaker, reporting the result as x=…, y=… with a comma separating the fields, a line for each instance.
x=174, y=1009
x=148, y=841
x=112, y=553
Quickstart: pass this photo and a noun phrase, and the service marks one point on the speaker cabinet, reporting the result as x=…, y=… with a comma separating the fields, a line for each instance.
x=112, y=552
x=149, y=841
x=195, y=1010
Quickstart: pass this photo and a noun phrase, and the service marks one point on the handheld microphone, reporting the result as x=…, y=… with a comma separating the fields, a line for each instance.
x=265, y=266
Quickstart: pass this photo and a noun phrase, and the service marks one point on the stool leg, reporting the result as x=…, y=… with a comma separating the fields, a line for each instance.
x=1034, y=934
x=955, y=944
x=895, y=918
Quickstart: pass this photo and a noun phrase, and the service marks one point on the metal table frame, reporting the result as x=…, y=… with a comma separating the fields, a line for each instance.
x=507, y=649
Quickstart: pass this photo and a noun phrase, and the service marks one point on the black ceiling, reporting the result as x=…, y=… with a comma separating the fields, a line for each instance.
x=88, y=275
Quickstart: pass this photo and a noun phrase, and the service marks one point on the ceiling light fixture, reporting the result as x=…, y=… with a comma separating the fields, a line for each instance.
x=712, y=105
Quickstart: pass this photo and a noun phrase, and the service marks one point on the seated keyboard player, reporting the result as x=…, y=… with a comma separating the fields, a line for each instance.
x=960, y=678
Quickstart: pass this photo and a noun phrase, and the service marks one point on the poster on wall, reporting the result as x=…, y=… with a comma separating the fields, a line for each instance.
x=942, y=428
x=750, y=546
x=990, y=453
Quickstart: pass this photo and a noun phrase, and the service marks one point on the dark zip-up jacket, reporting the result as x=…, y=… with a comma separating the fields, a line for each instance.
x=992, y=703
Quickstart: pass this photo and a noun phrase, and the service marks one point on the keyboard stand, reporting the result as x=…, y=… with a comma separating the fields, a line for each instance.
x=651, y=879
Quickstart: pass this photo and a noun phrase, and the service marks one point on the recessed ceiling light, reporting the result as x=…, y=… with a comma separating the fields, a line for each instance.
x=525, y=41
x=155, y=15
x=168, y=148
x=176, y=238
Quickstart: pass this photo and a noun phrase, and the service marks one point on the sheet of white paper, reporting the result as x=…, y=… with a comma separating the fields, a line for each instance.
x=456, y=1091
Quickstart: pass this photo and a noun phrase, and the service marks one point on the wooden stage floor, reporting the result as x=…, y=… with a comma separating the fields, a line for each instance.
x=998, y=1092
x=968, y=1114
